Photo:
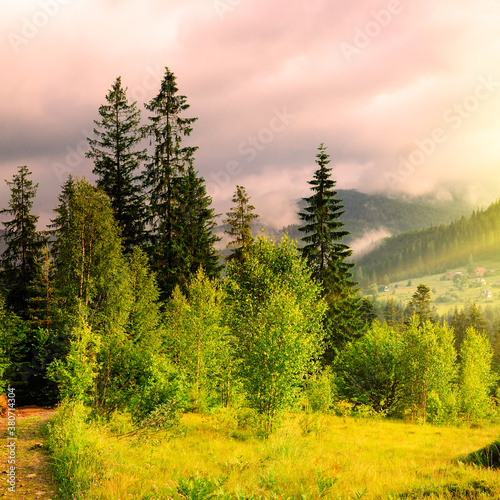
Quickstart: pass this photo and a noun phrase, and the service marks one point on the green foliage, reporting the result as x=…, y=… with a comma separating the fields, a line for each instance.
x=200, y=488
x=116, y=160
x=144, y=323
x=91, y=274
x=429, y=370
x=370, y=369
x=196, y=339
x=275, y=316
x=75, y=375
x=13, y=341
x=476, y=378
x=321, y=390
x=159, y=395
x=76, y=461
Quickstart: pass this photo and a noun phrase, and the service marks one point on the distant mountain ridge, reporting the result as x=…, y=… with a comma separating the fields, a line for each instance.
x=366, y=213
x=433, y=250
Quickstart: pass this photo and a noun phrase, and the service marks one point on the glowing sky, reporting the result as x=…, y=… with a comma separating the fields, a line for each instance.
x=405, y=94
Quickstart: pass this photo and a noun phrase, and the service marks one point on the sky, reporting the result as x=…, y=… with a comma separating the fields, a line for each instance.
x=405, y=94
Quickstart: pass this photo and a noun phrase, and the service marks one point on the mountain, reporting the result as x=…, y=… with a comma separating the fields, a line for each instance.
x=437, y=249
x=369, y=215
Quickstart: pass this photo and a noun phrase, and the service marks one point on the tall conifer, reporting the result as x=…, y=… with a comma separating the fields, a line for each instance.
x=193, y=225
x=21, y=260
x=170, y=159
x=117, y=159
x=327, y=256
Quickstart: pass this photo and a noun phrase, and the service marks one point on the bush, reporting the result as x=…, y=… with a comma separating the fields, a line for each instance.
x=236, y=419
x=77, y=463
x=320, y=390
x=159, y=397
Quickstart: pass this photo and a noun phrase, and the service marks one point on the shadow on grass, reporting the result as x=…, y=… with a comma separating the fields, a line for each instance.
x=488, y=457
x=468, y=491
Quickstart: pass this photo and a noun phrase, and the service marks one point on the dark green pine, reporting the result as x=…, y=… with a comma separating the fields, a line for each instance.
x=21, y=260
x=170, y=160
x=323, y=228
x=117, y=160
x=327, y=257
x=193, y=237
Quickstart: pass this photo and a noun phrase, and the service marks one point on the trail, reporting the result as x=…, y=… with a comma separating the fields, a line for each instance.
x=34, y=478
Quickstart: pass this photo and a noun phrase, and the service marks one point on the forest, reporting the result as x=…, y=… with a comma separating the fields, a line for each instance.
x=123, y=306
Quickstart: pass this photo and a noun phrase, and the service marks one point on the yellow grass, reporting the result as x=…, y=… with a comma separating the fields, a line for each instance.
x=310, y=457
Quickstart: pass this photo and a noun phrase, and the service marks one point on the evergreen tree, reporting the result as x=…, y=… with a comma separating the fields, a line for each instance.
x=169, y=160
x=239, y=219
x=323, y=249
x=327, y=257
x=116, y=161
x=193, y=225
x=420, y=304
x=21, y=260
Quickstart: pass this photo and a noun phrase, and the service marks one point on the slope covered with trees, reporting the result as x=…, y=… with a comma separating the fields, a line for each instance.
x=433, y=250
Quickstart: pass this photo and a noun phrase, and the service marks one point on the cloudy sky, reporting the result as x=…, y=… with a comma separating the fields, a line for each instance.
x=405, y=94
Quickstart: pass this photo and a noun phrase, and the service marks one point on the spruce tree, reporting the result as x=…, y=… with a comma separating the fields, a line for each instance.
x=21, y=260
x=327, y=256
x=193, y=223
x=169, y=160
x=239, y=219
x=323, y=228
x=117, y=159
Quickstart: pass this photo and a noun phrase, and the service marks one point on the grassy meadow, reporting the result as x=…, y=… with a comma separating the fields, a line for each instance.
x=446, y=292
x=311, y=456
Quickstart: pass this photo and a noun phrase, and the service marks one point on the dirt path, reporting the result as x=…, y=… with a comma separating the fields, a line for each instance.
x=33, y=476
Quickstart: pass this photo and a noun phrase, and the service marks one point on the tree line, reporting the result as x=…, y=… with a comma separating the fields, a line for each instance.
x=122, y=304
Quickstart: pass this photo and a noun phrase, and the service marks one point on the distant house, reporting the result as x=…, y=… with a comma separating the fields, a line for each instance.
x=481, y=280
x=487, y=293
x=480, y=271
x=383, y=288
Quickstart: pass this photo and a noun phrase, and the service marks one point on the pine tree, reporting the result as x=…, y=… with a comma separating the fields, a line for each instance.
x=420, y=304
x=327, y=257
x=21, y=260
x=193, y=225
x=116, y=162
x=239, y=219
x=170, y=159
x=323, y=228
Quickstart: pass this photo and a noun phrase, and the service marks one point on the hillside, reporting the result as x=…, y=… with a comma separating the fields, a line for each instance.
x=366, y=213
x=464, y=242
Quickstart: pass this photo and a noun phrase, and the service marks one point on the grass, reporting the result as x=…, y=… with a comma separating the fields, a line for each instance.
x=331, y=458
x=448, y=291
